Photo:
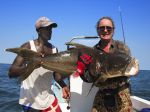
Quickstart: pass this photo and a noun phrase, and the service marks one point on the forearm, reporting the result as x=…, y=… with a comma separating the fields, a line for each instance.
x=16, y=71
x=61, y=83
x=18, y=67
x=59, y=79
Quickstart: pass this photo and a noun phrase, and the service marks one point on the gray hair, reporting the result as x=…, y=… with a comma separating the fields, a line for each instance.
x=105, y=17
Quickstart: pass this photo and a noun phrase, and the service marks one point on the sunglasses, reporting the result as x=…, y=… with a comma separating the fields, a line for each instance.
x=102, y=29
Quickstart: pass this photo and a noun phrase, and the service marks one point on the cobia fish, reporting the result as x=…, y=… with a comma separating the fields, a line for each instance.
x=104, y=65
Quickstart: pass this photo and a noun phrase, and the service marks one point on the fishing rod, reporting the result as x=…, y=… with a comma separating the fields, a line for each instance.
x=120, y=13
x=123, y=35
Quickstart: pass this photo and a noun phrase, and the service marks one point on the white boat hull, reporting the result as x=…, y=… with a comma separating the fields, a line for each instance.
x=139, y=103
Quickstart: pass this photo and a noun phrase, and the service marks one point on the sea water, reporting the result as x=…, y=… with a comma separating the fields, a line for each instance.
x=9, y=89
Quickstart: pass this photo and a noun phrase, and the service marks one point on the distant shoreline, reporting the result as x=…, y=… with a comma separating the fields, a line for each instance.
x=5, y=64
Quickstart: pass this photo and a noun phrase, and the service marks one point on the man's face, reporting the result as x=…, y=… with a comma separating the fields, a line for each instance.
x=45, y=33
x=105, y=29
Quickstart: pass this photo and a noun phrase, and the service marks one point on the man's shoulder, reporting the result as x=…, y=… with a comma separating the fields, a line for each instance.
x=51, y=45
x=54, y=49
x=118, y=42
x=26, y=45
x=96, y=46
x=122, y=46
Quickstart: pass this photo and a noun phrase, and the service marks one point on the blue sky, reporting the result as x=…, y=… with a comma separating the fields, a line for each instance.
x=75, y=18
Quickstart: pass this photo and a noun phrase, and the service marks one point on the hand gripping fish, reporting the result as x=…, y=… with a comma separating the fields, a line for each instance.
x=103, y=64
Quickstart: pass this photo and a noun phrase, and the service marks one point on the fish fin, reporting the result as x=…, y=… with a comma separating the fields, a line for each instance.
x=91, y=88
x=77, y=45
x=25, y=53
x=28, y=56
x=100, y=79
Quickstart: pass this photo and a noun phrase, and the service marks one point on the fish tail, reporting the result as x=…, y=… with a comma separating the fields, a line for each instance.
x=27, y=54
x=29, y=57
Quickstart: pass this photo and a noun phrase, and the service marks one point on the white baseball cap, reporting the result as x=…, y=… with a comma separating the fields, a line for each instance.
x=44, y=22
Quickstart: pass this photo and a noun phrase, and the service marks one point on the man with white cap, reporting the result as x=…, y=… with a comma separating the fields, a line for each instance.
x=35, y=91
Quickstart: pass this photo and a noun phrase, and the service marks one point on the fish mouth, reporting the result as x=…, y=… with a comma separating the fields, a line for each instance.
x=133, y=68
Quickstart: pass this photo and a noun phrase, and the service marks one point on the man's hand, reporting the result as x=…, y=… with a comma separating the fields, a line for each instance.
x=82, y=63
x=66, y=92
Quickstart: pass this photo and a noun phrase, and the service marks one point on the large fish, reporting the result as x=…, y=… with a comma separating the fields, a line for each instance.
x=104, y=65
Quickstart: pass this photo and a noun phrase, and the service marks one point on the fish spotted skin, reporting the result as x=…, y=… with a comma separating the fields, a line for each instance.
x=103, y=65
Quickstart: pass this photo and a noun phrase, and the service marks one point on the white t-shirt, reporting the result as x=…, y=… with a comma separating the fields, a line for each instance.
x=35, y=91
